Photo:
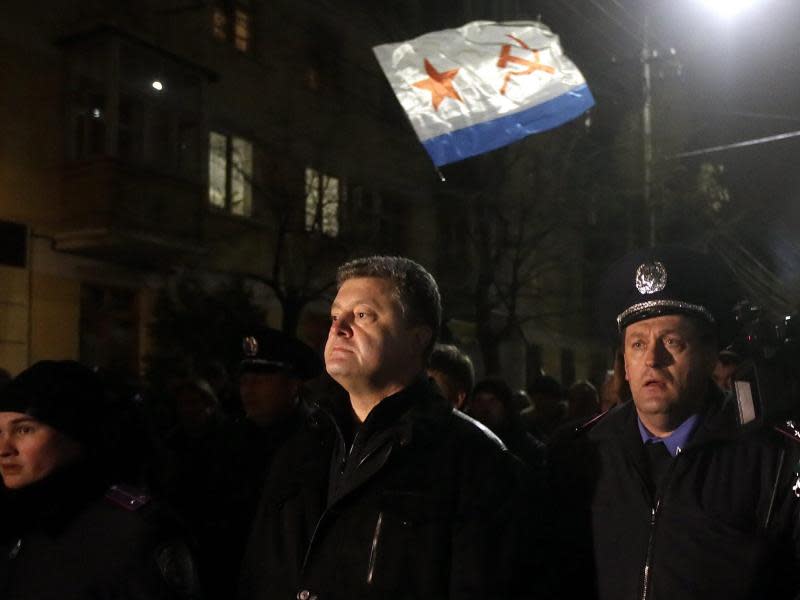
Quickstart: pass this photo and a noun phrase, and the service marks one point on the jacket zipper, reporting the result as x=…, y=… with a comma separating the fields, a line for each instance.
x=324, y=514
x=654, y=512
x=373, y=552
x=650, y=542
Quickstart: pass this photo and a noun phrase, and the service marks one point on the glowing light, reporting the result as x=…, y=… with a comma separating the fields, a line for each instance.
x=97, y=113
x=157, y=85
x=728, y=8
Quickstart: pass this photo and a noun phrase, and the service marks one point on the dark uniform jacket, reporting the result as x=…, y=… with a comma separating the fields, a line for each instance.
x=67, y=538
x=423, y=503
x=722, y=524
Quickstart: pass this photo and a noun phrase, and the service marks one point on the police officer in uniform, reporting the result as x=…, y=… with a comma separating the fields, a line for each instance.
x=667, y=495
x=67, y=531
x=272, y=372
x=273, y=369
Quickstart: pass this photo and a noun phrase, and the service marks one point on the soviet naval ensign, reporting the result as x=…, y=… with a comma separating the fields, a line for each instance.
x=485, y=85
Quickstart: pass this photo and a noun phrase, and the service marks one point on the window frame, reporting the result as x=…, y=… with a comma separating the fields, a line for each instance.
x=316, y=221
x=228, y=207
x=232, y=13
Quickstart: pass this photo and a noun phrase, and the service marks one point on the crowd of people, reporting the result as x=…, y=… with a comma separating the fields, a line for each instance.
x=383, y=469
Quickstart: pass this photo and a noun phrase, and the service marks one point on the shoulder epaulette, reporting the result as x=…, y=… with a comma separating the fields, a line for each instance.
x=127, y=497
x=789, y=429
x=587, y=426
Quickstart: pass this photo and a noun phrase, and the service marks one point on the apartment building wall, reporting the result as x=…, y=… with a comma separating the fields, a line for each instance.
x=114, y=201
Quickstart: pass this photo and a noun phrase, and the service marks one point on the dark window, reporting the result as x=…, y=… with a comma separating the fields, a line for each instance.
x=13, y=244
x=109, y=329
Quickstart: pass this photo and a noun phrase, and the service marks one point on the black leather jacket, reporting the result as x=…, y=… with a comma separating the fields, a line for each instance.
x=424, y=503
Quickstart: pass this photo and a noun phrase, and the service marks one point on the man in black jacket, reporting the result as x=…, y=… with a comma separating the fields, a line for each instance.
x=393, y=494
x=667, y=496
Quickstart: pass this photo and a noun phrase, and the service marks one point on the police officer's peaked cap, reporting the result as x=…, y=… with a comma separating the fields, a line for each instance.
x=666, y=281
x=63, y=394
x=270, y=351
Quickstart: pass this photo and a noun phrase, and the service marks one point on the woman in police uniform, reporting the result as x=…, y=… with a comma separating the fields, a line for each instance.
x=67, y=532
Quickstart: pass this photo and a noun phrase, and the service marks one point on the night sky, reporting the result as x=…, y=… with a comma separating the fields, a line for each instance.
x=741, y=75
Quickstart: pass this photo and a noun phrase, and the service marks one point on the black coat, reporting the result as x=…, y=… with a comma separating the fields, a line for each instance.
x=424, y=504
x=66, y=538
x=723, y=524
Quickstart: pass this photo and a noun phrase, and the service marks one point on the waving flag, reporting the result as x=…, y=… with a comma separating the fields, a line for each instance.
x=470, y=90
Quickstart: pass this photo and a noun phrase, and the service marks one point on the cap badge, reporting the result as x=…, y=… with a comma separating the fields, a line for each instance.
x=250, y=346
x=651, y=277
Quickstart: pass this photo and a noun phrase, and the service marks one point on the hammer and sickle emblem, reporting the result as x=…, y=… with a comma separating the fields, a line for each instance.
x=506, y=58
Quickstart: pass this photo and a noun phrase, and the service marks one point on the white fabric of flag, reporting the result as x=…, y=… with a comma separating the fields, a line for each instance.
x=470, y=90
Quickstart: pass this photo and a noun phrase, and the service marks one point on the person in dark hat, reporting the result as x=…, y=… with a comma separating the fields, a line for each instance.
x=272, y=373
x=273, y=368
x=728, y=362
x=666, y=495
x=70, y=530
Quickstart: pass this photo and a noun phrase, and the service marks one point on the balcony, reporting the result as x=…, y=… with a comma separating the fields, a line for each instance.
x=124, y=213
x=133, y=185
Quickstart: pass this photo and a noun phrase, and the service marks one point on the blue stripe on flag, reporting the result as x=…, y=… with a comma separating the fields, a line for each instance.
x=482, y=137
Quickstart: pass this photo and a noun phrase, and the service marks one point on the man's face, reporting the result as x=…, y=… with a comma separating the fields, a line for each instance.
x=369, y=342
x=31, y=450
x=667, y=365
x=266, y=396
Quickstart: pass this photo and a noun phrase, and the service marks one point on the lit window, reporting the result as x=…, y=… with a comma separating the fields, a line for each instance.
x=219, y=23
x=241, y=30
x=323, y=196
x=230, y=173
x=217, y=169
x=241, y=177
x=231, y=20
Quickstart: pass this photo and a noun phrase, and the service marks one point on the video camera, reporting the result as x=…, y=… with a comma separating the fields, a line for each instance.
x=767, y=382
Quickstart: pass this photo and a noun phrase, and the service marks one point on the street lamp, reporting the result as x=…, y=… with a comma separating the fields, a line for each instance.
x=728, y=8
x=725, y=8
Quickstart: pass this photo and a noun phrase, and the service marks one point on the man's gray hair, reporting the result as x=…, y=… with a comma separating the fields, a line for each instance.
x=414, y=288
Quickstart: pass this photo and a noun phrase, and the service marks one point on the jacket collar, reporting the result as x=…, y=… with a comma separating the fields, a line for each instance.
x=51, y=503
x=409, y=416
x=717, y=422
x=412, y=411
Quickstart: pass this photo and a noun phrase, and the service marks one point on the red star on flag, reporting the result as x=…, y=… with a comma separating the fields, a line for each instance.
x=439, y=84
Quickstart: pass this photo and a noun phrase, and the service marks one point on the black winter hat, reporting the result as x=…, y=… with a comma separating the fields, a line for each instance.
x=62, y=394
